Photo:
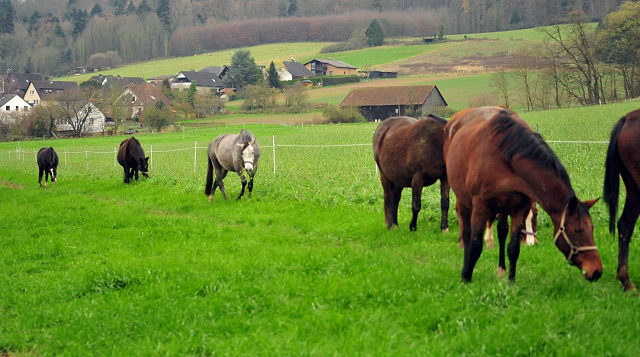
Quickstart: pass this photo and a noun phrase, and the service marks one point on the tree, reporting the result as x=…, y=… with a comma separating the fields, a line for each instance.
x=69, y=110
x=158, y=118
x=80, y=20
x=191, y=95
x=296, y=97
x=258, y=97
x=273, y=77
x=207, y=105
x=131, y=8
x=441, y=32
x=524, y=73
x=243, y=72
x=293, y=7
x=164, y=14
x=6, y=21
x=500, y=81
x=375, y=36
x=143, y=8
x=96, y=10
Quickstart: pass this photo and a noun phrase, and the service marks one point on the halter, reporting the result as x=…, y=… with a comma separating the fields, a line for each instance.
x=574, y=249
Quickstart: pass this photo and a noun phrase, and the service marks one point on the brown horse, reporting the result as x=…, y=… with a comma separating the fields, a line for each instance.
x=408, y=153
x=497, y=165
x=131, y=158
x=623, y=159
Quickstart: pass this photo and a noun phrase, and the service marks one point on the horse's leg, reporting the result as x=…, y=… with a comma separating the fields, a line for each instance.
x=221, y=173
x=464, y=219
x=513, y=249
x=528, y=233
x=209, y=182
x=41, y=171
x=488, y=234
x=244, y=184
x=473, y=244
x=126, y=172
x=626, y=223
x=250, y=185
x=135, y=172
x=390, y=215
x=444, y=204
x=46, y=177
x=503, y=231
x=417, y=183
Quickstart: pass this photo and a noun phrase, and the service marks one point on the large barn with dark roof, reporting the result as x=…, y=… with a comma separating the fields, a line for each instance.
x=384, y=102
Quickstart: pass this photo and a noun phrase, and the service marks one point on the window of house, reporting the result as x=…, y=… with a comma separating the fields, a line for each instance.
x=31, y=92
x=17, y=108
x=331, y=73
x=133, y=99
x=35, y=102
x=313, y=66
x=7, y=108
x=26, y=107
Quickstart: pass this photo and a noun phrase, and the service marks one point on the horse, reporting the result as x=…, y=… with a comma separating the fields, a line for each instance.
x=131, y=158
x=408, y=153
x=623, y=159
x=229, y=152
x=497, y=165
x=529, y=234
x=47, y=164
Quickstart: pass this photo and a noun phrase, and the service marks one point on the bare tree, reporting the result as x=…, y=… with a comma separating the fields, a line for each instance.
x=523, y=73
x=72, y=110
x=500, y=81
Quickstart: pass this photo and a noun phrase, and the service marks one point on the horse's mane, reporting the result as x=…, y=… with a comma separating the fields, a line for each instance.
x=518, y=139
x=437, y=119
x=244, y=138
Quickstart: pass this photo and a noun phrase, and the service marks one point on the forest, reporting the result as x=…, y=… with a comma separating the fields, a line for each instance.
x=53, y=37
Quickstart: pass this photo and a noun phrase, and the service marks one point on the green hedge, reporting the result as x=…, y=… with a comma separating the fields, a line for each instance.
x=335, y=80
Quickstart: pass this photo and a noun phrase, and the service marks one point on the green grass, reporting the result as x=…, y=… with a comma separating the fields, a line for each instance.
x=305, y=267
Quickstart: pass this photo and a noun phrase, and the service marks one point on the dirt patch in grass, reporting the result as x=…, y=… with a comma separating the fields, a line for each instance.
x=12, y=185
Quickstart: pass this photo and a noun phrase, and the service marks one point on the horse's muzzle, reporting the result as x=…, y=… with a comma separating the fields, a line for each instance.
x=145, y=174
x=248, y=166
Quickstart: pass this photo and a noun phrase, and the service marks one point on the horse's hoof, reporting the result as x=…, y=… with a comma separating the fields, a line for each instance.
x=413, y=229
x=445, y=231
x=501, y=272
x=490, y=245
x=630, y=288
x=210, y=198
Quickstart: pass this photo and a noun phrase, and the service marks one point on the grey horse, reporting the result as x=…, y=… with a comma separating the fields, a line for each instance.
x=230, y=152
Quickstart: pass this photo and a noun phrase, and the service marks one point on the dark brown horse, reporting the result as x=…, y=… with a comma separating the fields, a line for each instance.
x=497, y=165
x=47, y=165
x=623, y=159
x=408, y=153
x=131, y=158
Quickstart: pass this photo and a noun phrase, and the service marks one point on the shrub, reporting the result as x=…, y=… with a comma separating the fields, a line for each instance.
x=336, y=114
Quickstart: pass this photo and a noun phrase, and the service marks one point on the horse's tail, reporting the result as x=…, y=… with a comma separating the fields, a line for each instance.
x=209, y=184
x=612, y=175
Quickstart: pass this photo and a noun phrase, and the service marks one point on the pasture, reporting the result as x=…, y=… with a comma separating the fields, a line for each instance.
x=305, y=267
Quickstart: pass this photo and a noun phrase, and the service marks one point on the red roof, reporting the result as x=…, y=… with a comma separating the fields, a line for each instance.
x=395, y=95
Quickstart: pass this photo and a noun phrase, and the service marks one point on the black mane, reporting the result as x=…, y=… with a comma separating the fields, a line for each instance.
x=518, y=139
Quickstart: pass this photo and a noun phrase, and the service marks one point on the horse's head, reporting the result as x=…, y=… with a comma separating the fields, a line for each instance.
x=248, y=154
x=143, y=164
x=574, y=238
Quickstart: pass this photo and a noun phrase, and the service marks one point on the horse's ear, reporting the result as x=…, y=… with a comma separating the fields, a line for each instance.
x=239, y=144
x=146, y=159
x=590, y=203
x=253, y=141
x=572, y=204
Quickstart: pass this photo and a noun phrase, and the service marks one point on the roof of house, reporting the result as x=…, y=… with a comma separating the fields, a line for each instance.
x=118, y=80
x=148, y=93
x=4, y=100
x=298, y=69
x=202, y=79
x=13, y=82
x=394, y=95
x=51, y=87
x=217, y=70
x=338, y=64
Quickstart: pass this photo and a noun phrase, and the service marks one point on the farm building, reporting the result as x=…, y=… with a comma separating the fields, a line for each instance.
x=384, y=102
x=328, y=67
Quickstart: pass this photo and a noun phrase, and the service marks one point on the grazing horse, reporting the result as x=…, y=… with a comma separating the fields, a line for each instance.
x=48, y=164
x=529, y=233
x=623, y=159
x=408, y=153
x=131, y=158
x=230, y=152
x=497, y=165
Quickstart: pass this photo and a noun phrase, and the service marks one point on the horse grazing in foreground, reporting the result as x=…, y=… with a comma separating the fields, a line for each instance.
x=408, y=153
x=47, y=164
x=230, y=152
x=623, y=159
x=529, y=234
x=497, y=165
x=131, y=158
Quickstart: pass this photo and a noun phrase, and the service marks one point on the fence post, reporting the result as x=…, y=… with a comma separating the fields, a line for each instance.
x=195, y=154
x=65, y=157
x=86, y=155
x=274, y=154
x=151, y=157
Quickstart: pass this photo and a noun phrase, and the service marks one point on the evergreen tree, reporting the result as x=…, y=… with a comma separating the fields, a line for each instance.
x=143, y=8
x=243, y=72
x=375, y=36
x=80, y=21
x=131, y=8
x=119, y=9
x=164, y=14
x=191, y=95
x=515, y=18
x=59, y=32
x=441, y=33
x=6, y=21
x=273, y=77
x=293, y=7
x=96, y=10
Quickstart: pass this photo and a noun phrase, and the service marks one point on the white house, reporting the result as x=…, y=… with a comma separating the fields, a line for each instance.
x=12, y=104
x=94, y=123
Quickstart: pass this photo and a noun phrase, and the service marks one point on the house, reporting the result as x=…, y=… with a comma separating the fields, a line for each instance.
x=16, y=83
x=329, y=67
x=117, y=81
x=295, y=70
x=220, y=71
x=384, y=102
x=142, y=96
x=94, y=122
x=159, y=79
x=38, y=91
x=11, y=104
x=205, y=81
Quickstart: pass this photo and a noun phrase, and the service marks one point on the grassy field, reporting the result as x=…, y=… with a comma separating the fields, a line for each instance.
x=94, y=267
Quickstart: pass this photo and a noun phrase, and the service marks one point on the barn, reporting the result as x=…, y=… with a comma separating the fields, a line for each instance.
x=384, y=102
